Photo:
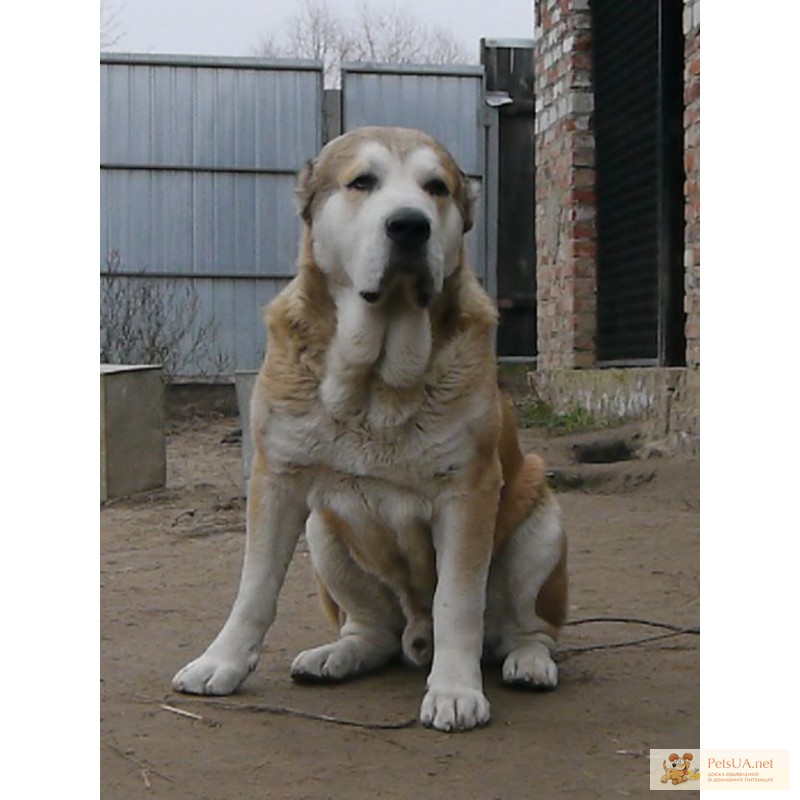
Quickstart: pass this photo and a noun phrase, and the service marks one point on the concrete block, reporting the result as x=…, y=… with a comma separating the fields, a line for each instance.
x=133, y=455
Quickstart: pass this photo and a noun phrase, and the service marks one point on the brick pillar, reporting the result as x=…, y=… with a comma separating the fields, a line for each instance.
x=565, y=186
x=691, y=161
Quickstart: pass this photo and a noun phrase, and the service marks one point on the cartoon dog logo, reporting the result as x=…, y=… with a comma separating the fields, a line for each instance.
x=676, y=769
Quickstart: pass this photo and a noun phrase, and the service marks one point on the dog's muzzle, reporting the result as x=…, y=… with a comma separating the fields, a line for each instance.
x=408, y=229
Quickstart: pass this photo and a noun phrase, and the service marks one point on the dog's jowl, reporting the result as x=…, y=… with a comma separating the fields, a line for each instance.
x=380, y=432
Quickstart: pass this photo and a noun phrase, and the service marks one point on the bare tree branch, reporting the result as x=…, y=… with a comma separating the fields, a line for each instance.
x=385, y=34
x=110, y=32
x=150, y=320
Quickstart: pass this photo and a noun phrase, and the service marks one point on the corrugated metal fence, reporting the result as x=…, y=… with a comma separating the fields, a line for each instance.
x=198, y=163
x=198, y=158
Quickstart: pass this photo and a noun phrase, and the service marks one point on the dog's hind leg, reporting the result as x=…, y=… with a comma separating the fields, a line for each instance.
x=373, y=620
x=527, y=597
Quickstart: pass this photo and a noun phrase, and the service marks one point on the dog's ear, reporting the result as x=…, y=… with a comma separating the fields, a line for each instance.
x=673, y=757
x=305, y=189
x=468, y=197
x=687, y=756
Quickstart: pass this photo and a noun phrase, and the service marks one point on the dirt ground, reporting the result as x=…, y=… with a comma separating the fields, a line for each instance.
x=170, y=565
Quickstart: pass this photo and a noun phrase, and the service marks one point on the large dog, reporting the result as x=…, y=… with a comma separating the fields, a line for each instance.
x=380, y=431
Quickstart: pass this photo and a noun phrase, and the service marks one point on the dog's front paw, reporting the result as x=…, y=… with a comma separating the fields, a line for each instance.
x=213, y=674
x=454, y=709
x=531, y=667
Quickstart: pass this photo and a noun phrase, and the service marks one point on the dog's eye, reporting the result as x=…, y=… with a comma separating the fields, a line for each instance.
x=436, y=187
x=363, y=183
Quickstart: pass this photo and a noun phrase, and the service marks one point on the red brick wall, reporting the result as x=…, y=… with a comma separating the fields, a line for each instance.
x=691, y=124
x=565, y=180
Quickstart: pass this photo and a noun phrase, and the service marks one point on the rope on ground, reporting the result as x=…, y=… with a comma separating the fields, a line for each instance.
x=296, y=712
x=675, y=630
x=290, y=712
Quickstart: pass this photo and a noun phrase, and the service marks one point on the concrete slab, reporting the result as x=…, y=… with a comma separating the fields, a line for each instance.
x=132, y=441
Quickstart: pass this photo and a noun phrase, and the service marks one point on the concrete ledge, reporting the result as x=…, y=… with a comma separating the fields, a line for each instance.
x=133, y=455
x=665, y=399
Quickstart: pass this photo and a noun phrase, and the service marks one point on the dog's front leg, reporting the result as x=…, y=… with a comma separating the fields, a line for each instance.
x=463, y=534
x=276, y=514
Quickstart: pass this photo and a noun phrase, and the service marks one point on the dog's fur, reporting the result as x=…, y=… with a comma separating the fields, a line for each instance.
x=380, y=431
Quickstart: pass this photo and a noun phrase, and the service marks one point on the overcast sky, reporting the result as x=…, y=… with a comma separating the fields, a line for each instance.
x=234, y=27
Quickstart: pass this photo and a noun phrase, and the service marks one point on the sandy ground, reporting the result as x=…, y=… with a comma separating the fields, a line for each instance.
x=170, y=564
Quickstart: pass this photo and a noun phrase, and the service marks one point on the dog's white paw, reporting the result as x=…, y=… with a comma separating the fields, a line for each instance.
x=213, y=674
x=337, y=661
x=531, y=667
x=454, y=709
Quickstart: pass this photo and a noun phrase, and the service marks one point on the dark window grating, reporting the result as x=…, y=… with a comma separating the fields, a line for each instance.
x=637, y=61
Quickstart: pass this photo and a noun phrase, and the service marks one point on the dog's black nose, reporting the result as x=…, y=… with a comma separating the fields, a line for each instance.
x=408, y=228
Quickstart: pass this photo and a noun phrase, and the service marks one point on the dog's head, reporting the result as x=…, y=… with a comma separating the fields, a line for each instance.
x=386, y=208
x=680, y=763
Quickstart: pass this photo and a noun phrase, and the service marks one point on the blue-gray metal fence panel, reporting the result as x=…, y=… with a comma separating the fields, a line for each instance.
x=198, y=158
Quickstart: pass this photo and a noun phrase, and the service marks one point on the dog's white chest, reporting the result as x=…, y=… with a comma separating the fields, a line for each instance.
x=410, y=456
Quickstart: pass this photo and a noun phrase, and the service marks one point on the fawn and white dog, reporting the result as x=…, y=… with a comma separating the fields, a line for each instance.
x=379, y=430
